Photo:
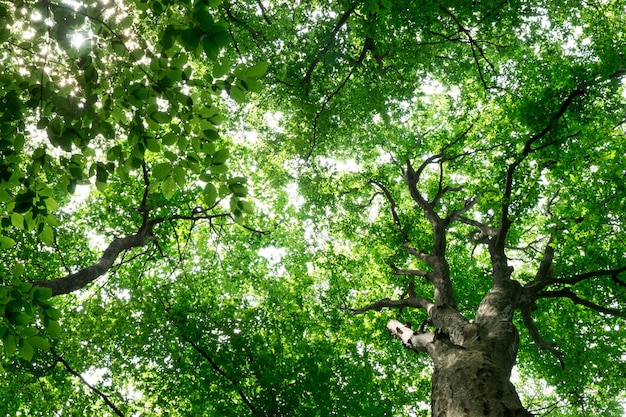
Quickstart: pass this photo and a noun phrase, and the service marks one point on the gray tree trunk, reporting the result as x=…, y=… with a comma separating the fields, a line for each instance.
x=468, y=383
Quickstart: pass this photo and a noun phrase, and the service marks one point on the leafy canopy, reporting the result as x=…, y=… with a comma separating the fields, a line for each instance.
x=165, y=292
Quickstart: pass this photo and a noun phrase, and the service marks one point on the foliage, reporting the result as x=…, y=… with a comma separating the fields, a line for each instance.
x=132, y=154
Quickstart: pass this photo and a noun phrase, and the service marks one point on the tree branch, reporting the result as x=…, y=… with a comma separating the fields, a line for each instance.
x=221, y=372
x=81, y=278
x=539, y=342
x=587, y=275
x=411, y=340
x=415, y=302
x=84, y=381
x=342, y=21
x=568, y=293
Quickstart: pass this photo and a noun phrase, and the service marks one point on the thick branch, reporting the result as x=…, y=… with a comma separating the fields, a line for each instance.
x=83, y=277
x=418, y=302
x=587, y=275
x=411, y=340
x=411, y=272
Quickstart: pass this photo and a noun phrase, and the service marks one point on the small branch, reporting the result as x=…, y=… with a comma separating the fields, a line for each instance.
x=545, y=267
x=263, y=12
x=582, y=277
x=221, y=372
x=342, y=21
x=539, y=342
x=369, y=44
x=91, y=387
x=392, y=202
x=568, y=293
x=528, y=149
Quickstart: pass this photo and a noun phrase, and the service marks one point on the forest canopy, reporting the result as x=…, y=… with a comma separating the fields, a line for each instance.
x=225, y=208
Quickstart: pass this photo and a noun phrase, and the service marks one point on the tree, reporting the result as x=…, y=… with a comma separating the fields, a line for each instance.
x=465, y=155
x=490, y=132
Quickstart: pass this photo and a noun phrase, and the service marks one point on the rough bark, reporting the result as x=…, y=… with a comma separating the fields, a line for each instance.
x=471, y=375
x=467, y=382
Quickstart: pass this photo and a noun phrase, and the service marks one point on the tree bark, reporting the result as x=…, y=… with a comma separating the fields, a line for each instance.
x=467, y=382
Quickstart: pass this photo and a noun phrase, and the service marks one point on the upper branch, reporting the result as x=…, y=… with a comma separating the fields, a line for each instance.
x=342, y=21
x=497, y=245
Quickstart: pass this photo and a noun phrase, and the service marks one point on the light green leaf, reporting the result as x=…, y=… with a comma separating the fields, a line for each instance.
x=180, y=175
x=18, y=270
x=169, y=187
x=17, y=220
x=47, y=235
x=6, y=242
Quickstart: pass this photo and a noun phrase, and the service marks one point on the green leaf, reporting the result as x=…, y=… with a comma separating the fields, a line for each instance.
x=180, y=176
x=160, y=117
x=125, y=23
x=161, y=170
x=18, y=270
x=153, y=145
x=210, y=194
x=26, y=351
x=169, y=139
x=246, y=206
x=221, y=156
x=6, y=242
x=169, y=187
x=47, y=235
x=42, y=293
x=219, y=169
x=257, y=70
x=53, y=328
x=17, y=220
x=20, y=319
x=239, y=190
x=52, y=313
x=39, y=342
x=9, y=343
x=237, y=94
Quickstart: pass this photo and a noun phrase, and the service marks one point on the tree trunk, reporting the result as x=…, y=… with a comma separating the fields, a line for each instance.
x=468, y=383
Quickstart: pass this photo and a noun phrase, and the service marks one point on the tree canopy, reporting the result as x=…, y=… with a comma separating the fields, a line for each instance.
x=221, y=208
